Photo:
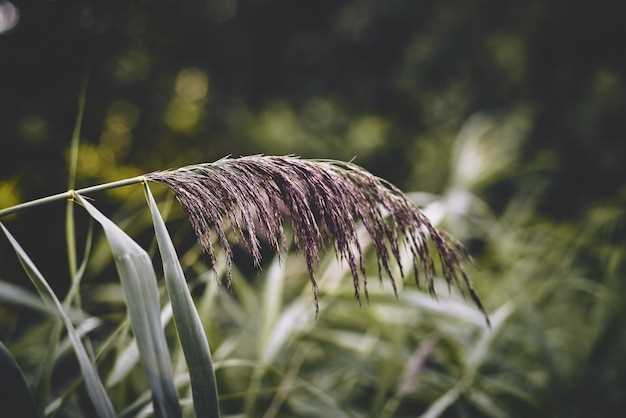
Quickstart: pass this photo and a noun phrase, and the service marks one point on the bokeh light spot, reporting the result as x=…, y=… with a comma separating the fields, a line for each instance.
x=192, y=84
x=9, y=16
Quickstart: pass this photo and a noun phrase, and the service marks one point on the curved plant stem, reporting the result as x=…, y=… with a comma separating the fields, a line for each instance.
x=70, y=194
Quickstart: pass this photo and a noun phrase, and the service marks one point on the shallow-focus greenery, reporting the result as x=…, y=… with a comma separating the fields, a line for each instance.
x=550, y=290
x=506, y=121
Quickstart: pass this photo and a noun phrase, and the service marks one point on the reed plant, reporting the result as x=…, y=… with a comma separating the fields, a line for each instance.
x=253, y=201
x=274, y=353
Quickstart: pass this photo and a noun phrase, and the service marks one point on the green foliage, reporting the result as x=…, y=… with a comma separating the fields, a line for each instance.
x=96, y=391
x=508, y=119
x=188, y=326
x=142, y=298
x=405, y=357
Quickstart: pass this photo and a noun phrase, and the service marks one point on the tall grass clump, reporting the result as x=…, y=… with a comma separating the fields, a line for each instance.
x=323, y=203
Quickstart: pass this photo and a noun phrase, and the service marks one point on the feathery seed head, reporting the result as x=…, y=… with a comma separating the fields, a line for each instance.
x=324, y=201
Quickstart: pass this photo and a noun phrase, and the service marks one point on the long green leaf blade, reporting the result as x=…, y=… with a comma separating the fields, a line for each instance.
x=95, y=389
x=142, y=298
x=15, y=295
x=190, y=330
x=13, y=386
x=128, y=358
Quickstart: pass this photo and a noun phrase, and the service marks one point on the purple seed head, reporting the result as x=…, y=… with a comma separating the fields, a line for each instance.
x=324, y=202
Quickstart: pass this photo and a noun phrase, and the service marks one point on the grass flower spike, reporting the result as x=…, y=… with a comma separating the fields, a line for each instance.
x=324, y=201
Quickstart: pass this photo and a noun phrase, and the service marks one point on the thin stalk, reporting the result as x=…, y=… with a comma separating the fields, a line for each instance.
x=70, y=194
x=71, y=183
x=75, y=141
x=70, y=225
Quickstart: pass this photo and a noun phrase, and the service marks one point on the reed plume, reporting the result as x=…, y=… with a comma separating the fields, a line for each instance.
x=324, y=201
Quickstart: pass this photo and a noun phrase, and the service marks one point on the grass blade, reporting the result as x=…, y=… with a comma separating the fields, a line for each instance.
x=142, y=298
x=13, y=386
x=83, y=329
x=188, y=326
x=128, y=358
x=70, y=225
x=15, y=295
x=442, y=403
x=94, y=386
x=272, y=300
x=55, y=404
x=74, y=288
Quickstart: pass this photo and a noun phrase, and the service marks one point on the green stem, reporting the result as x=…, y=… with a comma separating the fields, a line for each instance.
x=70, y=193
x=70, y=226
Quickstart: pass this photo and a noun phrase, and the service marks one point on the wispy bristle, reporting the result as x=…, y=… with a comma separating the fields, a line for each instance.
x=324, y=201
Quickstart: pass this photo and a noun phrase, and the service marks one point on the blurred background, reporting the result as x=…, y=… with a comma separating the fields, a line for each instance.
x=504, y=120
